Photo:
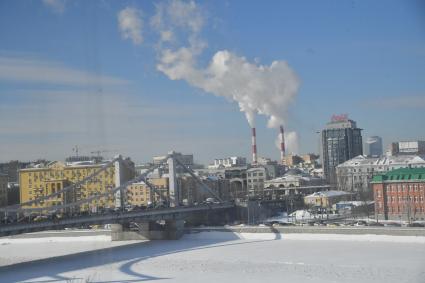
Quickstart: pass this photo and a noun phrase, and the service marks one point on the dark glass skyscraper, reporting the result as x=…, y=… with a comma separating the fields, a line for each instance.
x=374, y=145
x=341, y=141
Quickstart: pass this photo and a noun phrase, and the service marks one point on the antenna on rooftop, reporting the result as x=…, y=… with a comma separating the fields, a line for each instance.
x=75, y=149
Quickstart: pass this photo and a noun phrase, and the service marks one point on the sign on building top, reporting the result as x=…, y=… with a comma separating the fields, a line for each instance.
x=339, y=118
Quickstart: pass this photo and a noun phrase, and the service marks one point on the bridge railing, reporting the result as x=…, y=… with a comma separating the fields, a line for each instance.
x=20, y=208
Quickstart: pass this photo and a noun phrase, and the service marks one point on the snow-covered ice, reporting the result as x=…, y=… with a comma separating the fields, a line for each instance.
x=217, y=257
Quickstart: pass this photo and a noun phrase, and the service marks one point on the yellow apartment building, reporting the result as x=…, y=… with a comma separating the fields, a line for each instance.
x=140, y=194
x=38, y=182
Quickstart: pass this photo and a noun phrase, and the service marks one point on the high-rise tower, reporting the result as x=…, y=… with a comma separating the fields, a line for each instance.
x=341, y=141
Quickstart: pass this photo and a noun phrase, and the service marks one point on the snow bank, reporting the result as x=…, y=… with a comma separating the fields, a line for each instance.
x=355, y=238
x=233, y=236
x=99, y=238
x=229, y=236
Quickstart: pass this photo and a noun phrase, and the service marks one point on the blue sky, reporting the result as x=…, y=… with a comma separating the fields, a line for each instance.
x=69, y=75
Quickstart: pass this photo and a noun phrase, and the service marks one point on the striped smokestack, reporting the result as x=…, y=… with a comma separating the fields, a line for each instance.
x=254, y=147
x=282, y=145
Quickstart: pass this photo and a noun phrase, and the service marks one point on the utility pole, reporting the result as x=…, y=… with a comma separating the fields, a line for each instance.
x=247, y=207
x=75, y=149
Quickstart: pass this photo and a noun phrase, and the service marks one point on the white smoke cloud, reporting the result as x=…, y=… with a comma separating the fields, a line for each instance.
x=178, y=14
x=167, y=35
x=58, y=6
x=258, y=89
x=291, y=142
x=130, y=24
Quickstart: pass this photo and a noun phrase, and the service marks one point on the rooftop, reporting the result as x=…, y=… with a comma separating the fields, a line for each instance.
x=402, y=174
x=387, y=160
x=329, y=194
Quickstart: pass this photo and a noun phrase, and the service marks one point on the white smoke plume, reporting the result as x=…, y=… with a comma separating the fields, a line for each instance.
x=258, y=89
x=291, y=142
x=130, y=24
x=57, y=6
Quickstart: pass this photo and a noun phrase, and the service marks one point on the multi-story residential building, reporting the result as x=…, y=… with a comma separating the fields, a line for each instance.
x=191, y=191
x=235, y=175
x=341, y=141
x=11, y=169
x=400, y=194
x=42, y=181
x=411, y=147
x=309, y=159
x=255, y=178
x=185, y=159
x=12, y=193
x=139, y=194
x=374, y=146
x=292, y=160
x=293, y=182
x=3, y=190
x=356, y=174
x=406, y=148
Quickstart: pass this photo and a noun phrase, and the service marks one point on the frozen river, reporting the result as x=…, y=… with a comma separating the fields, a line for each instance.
x=216, y=257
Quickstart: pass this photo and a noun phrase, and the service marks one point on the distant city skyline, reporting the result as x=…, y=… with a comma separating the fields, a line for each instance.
x=96, y=74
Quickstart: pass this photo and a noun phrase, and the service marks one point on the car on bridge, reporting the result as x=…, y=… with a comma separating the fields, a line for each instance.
x=211, y=201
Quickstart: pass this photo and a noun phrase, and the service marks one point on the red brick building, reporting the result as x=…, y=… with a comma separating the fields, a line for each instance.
x=400, y=194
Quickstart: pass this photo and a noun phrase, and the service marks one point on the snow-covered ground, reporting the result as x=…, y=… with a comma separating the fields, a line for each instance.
x=216, y=257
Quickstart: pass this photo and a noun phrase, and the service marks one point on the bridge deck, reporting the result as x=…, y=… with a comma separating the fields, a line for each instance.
x=119, y=217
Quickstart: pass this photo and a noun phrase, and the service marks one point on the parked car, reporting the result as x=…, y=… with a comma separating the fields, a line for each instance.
x=360, y=223
x=210, y=200
x=40, y=218
x=392, y=224
x=376, y=224
x=333, y=224
x=415, y=224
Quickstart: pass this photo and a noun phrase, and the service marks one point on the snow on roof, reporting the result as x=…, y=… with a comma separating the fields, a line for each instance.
x=328, y=194
x=387, y=160
x=292, y=178
x=355, y=203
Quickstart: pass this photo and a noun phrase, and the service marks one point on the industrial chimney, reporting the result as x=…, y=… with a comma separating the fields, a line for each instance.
x=282, y=145
x=254, y=147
